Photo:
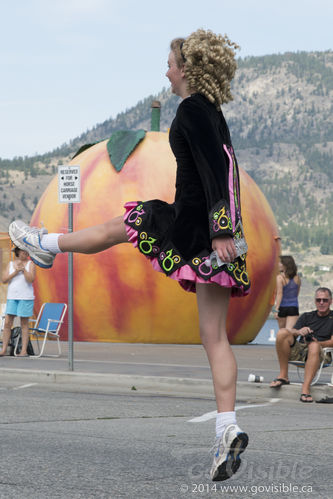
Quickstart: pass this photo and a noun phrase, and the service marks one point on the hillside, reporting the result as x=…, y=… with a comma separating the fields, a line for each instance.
x=281, y=122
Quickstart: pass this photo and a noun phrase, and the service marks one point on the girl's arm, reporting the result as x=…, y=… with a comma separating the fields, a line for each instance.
x=279, y=292
x=6, y=276
x=30, y=272
x=213, y=164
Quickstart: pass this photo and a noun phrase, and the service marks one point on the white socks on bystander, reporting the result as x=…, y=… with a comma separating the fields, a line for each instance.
x=223, y=419
x=50, y=242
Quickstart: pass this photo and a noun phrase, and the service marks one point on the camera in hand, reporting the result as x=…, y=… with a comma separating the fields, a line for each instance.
x=309, y=337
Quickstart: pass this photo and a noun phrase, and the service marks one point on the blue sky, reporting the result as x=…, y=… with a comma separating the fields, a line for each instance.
x=66, y=65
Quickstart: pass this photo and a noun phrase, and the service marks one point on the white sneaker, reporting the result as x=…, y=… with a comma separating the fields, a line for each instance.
x=29, y=239
x=227, y=450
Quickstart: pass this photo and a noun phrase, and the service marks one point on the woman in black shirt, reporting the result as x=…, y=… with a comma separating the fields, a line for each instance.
x=179, y=238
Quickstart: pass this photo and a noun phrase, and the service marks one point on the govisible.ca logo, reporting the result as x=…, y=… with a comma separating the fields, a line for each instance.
x=249, y=470
x=278, y=471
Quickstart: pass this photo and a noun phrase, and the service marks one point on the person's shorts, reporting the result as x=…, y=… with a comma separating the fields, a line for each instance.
x=299, y=352
x=288, y=311
x=20, y=308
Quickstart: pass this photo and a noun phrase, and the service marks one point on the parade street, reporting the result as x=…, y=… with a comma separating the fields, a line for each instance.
x=74, y=435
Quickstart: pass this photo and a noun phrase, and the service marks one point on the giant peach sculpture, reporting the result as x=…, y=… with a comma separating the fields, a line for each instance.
x=118, y=296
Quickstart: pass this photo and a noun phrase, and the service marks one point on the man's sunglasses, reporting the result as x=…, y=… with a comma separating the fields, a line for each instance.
x=324, y=300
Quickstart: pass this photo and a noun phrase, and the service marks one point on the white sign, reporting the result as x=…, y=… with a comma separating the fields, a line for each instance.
x=69, y=185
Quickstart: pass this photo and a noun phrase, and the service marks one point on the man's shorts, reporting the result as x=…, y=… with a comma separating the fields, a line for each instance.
x=288, y=311
x=299, y=352
x=20, y=308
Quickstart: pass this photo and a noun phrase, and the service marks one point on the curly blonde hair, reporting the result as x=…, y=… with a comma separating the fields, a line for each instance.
x=209, y=64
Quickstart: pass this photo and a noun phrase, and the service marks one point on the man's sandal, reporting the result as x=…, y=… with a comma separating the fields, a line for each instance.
x=305, y=398
x=326, y=400
x=280, y=381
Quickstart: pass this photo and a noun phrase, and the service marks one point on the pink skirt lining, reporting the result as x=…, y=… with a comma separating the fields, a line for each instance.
x=185, y=275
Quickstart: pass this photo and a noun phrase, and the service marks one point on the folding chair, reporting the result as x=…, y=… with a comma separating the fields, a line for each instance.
x=48, y=324
x=300, y=366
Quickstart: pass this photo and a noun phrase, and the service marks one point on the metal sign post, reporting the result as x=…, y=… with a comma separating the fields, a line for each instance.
x=70, y=295
x=69, y=191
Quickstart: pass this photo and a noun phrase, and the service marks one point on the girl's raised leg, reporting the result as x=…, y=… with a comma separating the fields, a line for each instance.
x=42, y=247
x=94, y=239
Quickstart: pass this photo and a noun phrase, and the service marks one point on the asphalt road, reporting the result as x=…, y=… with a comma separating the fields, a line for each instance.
x=69, y=442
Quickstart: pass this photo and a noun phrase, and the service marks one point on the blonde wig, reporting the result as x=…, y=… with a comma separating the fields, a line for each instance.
x=209, y=64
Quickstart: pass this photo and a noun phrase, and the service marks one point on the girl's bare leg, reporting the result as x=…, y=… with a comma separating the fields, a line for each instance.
x=291, y=321
x=282, y=321
x=9, y=319
x=25, y=336
x=213, y=303
x=96, y=238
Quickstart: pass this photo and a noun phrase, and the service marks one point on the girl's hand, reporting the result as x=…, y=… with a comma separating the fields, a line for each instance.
x=225, y=248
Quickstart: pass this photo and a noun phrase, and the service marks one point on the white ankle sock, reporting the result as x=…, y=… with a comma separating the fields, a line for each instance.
x=50, y=242
x=223, y=419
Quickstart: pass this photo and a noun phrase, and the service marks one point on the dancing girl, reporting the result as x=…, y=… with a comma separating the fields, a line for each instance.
x=179, y=238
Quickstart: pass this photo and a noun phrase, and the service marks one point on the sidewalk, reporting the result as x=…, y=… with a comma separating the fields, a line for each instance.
x=173, y=369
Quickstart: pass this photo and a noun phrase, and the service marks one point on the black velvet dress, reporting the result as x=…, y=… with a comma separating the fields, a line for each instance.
x=177, y=237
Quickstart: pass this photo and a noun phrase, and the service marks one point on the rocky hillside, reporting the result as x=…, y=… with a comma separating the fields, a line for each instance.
x=281, y=122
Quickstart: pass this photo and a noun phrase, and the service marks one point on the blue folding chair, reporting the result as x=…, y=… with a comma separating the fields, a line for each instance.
x=47, y=325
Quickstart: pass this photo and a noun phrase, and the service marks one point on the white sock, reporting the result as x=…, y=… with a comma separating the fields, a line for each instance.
x=223, y=419
x=50, y=242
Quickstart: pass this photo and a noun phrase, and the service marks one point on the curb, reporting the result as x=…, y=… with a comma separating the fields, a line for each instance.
x=160, y=384
x=115, y=382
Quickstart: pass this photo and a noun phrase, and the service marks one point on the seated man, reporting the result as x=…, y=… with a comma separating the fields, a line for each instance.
x=316, y=331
